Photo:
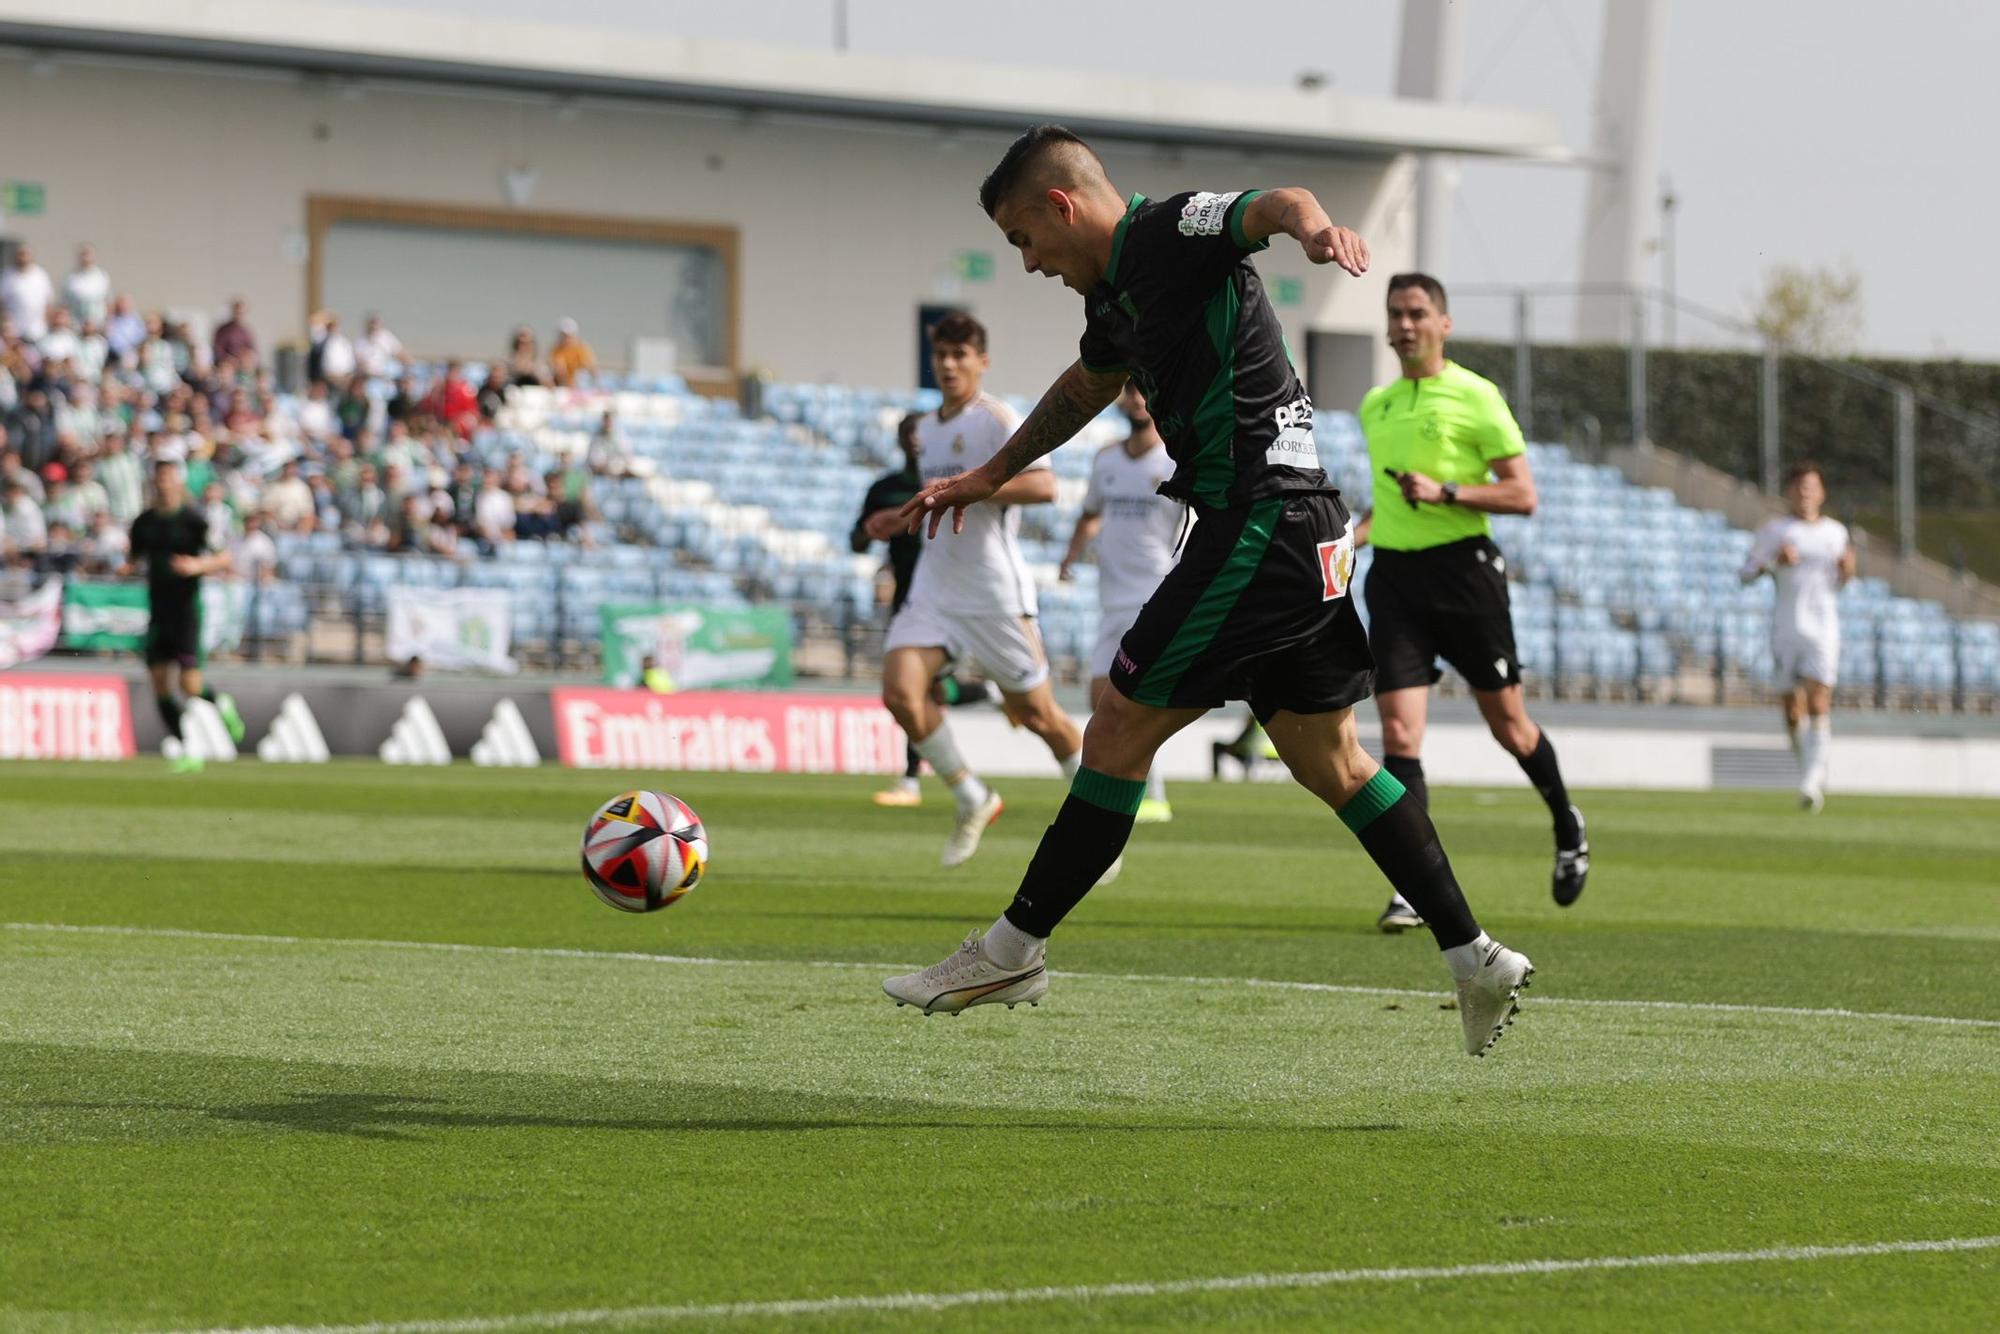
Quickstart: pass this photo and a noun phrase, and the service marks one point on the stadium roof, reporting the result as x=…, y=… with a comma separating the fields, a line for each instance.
x=568, y=59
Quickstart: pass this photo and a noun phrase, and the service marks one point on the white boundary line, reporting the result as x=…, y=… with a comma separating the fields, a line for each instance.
x=698, y=961
x=1089, y=1292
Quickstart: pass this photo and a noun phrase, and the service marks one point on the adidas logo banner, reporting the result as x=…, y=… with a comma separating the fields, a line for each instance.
x=505, y=740
x=203, y=734
x=416, y=737
x=294, y=737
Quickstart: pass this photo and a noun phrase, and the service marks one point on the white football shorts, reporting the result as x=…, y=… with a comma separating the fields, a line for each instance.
x=1111, y=628
x=1006, y=649
x=1806, y=657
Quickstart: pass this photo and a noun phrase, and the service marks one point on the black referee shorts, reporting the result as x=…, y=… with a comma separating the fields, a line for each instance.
x=1445, y=602
x=174, y=635
x=1258, y=609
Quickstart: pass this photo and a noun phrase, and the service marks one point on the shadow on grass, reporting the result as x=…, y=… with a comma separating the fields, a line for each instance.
x=396, y=1116
x=1356, y=927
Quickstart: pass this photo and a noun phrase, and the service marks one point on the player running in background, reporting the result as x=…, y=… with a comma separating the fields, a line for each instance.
x=172, y=539
x=1810, y=558
x=971, y=599
x=1135, y=529
x=1257, y=608
x=879, y=522
x=1438, y=587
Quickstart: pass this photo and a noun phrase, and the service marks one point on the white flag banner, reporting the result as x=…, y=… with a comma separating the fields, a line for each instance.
x=451, y=628
x=28, y=628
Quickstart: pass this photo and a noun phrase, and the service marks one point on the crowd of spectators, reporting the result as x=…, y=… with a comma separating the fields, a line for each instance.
x=93, y=393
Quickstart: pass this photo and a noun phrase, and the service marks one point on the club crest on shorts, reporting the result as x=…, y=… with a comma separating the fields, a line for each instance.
x=1336, y=566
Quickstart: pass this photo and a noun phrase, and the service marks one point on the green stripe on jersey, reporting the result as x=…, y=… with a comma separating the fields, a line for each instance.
x=1213, y=606
x=1215, y=415
x=1118, y=236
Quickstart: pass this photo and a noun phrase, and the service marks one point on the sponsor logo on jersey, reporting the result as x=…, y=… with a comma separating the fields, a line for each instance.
x=1294, y=446
x=1207, y=214
x=1336, y=567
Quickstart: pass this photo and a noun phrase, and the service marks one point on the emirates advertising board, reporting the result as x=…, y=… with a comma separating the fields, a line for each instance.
x=64, y=716
x=741, y=730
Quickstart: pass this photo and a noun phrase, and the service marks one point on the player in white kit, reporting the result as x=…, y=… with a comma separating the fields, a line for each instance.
x=1136, y=529
x=972, y=600
x=1810, y=558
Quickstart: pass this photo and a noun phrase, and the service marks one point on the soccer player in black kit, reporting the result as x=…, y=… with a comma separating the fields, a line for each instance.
x=1257, y=609
x=172, y=539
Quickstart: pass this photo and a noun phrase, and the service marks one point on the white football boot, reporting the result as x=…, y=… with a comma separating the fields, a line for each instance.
x=972, y=823
x=966, y=977
x=1490, y=998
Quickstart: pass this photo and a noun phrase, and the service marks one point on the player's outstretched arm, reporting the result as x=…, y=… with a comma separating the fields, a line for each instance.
x=1036, y=486
x=1087, y=526
x=1297, y=214
x=1069, y=405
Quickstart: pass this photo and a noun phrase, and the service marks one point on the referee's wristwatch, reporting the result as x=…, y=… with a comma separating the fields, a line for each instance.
x=1450, y=493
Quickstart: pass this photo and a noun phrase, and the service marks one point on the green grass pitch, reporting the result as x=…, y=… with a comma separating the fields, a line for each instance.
x=250, y=1091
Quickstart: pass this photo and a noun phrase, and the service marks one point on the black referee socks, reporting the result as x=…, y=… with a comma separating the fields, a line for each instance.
x=170, y=714
x=1395, y=830
x=1540, y=766
x=1409, y=771
x=1090, y=830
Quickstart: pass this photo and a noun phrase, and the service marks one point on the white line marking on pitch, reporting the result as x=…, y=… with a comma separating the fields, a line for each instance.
x=940, y=1301
x=698, y=961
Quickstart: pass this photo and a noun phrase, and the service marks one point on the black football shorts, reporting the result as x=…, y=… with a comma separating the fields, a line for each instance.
x=1258, y=609
x=1445, y=602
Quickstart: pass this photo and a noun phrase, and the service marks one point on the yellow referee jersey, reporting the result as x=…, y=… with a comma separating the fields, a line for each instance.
x=1450, y=426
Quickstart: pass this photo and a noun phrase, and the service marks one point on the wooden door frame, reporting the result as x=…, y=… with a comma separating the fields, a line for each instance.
x=323, y=212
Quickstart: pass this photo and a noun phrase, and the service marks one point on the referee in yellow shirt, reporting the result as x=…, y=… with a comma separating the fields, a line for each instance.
x=1445, y=453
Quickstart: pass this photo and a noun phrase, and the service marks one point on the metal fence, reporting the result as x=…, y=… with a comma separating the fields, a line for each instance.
x=1666, y=370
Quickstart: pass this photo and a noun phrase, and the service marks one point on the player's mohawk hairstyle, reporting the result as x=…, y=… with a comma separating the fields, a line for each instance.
x=1021, y=155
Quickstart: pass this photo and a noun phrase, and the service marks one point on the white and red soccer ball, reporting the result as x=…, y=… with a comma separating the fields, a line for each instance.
x=642, y=850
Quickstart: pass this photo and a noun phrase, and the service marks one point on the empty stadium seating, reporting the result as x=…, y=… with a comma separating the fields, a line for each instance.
x=1618, y=588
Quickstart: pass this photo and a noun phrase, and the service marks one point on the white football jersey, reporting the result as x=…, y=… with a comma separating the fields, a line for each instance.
x=979, y=572
x=1135, y=548
x=1807, y=591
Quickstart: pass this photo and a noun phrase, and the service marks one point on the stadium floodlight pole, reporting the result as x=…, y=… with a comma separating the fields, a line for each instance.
x=1524, y=364
x=1669, y=206
x=1906, y=471
x=1635, y=349
x=1769, y=422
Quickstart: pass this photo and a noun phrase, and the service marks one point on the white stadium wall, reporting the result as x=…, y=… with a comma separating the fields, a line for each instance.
x=193, y=183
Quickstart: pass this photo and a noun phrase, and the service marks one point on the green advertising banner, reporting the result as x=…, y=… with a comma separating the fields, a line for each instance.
x=112, y=617
x=697, y=647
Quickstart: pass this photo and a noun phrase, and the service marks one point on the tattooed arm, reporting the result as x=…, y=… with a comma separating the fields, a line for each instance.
x=1069, y=405
x=1298, y=215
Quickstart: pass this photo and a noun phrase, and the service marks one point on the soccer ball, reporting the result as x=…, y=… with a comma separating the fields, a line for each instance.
x=643, y=850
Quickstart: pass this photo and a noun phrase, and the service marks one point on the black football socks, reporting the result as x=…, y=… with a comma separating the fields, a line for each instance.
x=1089, y=832
x=170, y=714
x=1395, y=830
x=1542, y=770
x=1409, y=771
